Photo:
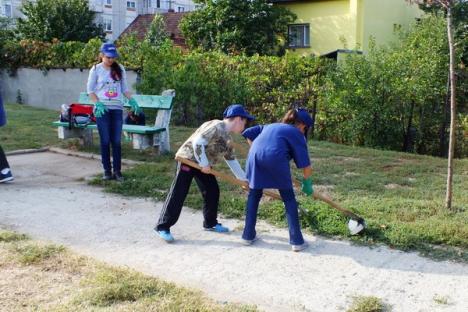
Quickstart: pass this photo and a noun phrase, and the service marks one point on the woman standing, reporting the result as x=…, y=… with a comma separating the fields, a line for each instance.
x=107, y=88
x=272, y=148
x=5, y=172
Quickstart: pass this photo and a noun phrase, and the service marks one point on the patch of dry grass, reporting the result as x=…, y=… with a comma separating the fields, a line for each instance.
x=43, y=277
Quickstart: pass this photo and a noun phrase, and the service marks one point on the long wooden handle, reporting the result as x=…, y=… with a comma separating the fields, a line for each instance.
x=330, y=202
x=225, y=177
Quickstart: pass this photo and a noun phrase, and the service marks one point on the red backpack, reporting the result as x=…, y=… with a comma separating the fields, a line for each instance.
x=77, y=115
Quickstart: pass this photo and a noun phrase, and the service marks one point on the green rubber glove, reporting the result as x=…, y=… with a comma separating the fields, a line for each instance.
x=134, y=106
x=99, y=109
x=307, y=187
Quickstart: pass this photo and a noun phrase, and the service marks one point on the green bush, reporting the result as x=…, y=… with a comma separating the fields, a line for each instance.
x=206, y=83
x=394, y=97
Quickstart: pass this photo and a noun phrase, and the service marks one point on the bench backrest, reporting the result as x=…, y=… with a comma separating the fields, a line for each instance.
x=144, y=101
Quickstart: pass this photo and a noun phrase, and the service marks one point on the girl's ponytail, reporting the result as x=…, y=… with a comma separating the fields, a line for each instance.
x=116, y=71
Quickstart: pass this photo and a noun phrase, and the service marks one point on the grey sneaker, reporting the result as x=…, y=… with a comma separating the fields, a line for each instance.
x=107, y=176
x=248, y=242
x=118, y=176
x=301, y=247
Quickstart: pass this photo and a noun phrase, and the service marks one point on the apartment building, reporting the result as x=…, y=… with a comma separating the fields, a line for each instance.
x=113, y=15
x=10, y=8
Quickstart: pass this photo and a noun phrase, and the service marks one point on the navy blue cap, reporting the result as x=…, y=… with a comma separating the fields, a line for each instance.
x=237, y=110
x=109, y=50
x=304, y=117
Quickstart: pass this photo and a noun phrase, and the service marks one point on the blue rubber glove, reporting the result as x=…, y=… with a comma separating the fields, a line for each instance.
x=307, y=187
x=99, y=109
x=134, y=106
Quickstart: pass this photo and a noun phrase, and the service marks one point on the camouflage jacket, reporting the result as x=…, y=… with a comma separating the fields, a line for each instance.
x=218, y=142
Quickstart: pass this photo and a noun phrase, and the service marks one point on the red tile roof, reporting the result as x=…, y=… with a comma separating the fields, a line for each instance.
x=141, y=24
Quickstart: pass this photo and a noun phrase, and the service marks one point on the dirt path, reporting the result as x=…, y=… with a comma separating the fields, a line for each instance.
x=49, y=200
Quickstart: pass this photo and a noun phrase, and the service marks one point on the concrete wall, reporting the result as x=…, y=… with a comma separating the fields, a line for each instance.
x=48, y=89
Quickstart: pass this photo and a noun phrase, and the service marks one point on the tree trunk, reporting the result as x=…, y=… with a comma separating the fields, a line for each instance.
x=445, y=121
x=408, y=136
x=453, y=116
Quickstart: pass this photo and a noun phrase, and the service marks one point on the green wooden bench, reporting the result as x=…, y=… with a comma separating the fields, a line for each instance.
x=143, y=137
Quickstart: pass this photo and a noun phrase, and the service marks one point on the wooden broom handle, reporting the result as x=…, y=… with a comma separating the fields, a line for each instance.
x=225, y=177
x=330, y=202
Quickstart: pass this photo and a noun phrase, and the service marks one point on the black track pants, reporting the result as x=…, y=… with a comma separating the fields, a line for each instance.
x=3, y=160
x=179, y=189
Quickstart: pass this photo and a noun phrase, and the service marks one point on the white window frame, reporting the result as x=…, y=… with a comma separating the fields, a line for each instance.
x=131, y=4
x=180, y=9
x=108, y=2
x=305, y=40
x=107, y=24
x=8, y=12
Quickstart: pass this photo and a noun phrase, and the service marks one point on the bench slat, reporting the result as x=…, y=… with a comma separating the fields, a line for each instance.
x=144, y=101
x=126, y=128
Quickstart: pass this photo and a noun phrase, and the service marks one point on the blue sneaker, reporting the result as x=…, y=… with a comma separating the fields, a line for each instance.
x=218, y=228
x=5, y=175
x=166, y=236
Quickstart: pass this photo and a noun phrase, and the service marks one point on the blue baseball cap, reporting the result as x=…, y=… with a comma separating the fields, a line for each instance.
x=109, y=50
x=304, y=117
x=237, y=110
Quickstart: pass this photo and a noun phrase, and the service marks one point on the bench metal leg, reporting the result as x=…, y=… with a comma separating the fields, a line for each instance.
x=85, y=135
x=142, y=141
x=164, y=144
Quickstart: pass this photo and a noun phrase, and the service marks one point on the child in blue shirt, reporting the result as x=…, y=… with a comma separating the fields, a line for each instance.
x=272, y=148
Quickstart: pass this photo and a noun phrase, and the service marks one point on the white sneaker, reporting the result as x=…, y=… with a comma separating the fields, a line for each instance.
x=301, y=247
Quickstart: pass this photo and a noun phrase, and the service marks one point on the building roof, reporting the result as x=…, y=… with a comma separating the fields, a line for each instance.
x=141, y=25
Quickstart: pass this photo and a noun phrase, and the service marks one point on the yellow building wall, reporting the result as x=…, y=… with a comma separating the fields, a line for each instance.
x=349, y=24
x=380, y=17
x=330, y=21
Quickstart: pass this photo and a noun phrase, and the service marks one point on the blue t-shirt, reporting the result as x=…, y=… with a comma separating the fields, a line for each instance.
x=2, y=113
x=272, y=149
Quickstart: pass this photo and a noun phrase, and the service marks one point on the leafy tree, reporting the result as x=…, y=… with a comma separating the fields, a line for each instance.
x=65, y=20
x=238, y=26
x=157, y=33
x=7, y=38
x=392, y=97
x=448, y=6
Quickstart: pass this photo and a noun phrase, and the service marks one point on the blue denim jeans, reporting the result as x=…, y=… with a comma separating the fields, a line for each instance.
x=292, y=215
x=110, y=133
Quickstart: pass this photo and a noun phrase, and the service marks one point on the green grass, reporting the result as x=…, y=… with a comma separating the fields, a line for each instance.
x=8, y=237
x=367, y=304
x=28, y=127
x=442, y=300
x=401, y=196
x=34, y=253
